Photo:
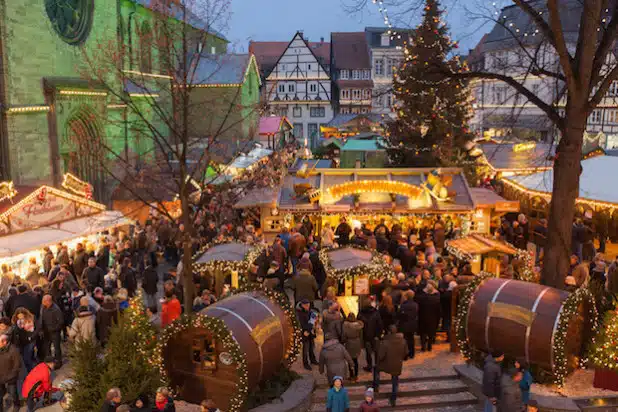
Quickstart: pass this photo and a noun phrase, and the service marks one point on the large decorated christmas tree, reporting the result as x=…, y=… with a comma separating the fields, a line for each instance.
x=432, y=108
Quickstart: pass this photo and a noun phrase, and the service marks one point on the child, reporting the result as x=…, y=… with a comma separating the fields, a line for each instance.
x=208, y=406
x=369, y=405
x=337, y=399
x=141, y=405
x=526, y=380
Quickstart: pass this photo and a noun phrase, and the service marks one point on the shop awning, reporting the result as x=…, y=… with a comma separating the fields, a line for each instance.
x=19, y=243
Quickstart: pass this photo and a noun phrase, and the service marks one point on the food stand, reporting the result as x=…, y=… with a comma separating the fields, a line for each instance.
x=32, y=218
x=355, y=267
x=489, y=208
x=483, y=252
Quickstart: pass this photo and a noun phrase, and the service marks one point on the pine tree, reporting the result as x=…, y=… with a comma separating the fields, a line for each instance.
x=87, y=364
x=432, y=110
x=603, y=353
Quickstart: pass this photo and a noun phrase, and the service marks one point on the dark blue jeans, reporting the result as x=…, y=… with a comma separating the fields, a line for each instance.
x=27, y=354
x=11, y=389
x=395, y=384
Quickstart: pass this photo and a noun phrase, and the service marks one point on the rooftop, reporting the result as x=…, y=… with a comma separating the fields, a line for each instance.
x=508, y=157
x=267, y=53
x=222, y=69
x=350, y=51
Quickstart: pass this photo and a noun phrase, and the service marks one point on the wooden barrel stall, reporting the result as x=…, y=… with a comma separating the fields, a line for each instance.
x=521, y=319
x=200, y=366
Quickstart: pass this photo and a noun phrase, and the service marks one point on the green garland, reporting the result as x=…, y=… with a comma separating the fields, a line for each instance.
x=241, y=266
x=377, y=268
x=462, y=312
x=218, y=329
x=527, y=272
x=569, y=309
x=282, y=300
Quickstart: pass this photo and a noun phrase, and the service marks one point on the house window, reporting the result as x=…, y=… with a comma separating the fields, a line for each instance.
x=308, y=67
x=390, y=68
x=500, y=60
x=364, y=110
x=313, y=87
x=344, y=110
x=317, y=112
x=356, y=74
x=379, y=100
x=536, y=88
x=345, y=94
x=291, y=88
x=379, y=67
x=366, y=94
x=312, y=131
x=611, y=116
x=297, y=112
x=282, y=88
x=282, y=67
x=213, y=50
x=298, y=130
x=355, y=110
x=596, y=116
x=145, y=49
x=344, y=74
x=356, y=94
x=366, y=74
x=613, y=89
x=499, y=95
x=282, y=111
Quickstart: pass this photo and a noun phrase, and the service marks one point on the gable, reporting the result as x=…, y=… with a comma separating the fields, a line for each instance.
x=298, y=61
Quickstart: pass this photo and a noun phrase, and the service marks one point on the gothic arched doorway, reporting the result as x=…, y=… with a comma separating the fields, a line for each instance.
x=82, y=150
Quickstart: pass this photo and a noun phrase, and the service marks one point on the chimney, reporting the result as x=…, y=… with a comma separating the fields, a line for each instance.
x=321, y=39
x=301, y=34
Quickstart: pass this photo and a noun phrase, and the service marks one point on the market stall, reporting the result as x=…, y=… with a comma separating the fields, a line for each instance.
x=32, y=218
x=490, y=207
x=483, y=252
x=356, y=267
x=224, y=260
x=508, y=159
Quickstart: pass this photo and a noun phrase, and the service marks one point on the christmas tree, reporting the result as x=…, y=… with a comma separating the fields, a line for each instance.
x=432, y=108
x=603, y=353
x=87, y=364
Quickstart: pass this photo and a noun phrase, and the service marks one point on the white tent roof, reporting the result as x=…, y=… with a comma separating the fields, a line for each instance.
x=255, y=155
x=18, y=243
x=595, y=183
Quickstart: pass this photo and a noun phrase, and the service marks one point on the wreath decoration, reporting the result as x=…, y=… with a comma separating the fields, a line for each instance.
x=378, y=267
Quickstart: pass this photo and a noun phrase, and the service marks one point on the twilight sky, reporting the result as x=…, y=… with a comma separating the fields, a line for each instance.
x=278, y=20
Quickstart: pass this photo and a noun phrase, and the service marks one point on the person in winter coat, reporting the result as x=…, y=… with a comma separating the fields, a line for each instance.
x=612, y=277
x=141, y=404
x=337, y=399
x=526, y=380
x=52, y=323
x=343, y=231
x=170, y=309
x=83, y=326
x=149, y=284
x=353, y=342
x=128, y=277
x=510, y=395
x=332, y=321
x=372, y=330
x=393, y=350
x=491, y=379
x=579, y=272
x=307, y=318
x=334, y=357
x=328, y=236
x=369, y=404
x=80, y=260
x=387, y=311
x=428, y=315
x=40, y=374
x=93, y=276
x=275, y=277
x=407, y=320
x=107, y=315
x=113, y=397
x=163, y=401
x=10, y=366
x=304, y=285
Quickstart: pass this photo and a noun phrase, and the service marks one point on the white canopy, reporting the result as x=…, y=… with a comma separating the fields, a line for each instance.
x=19, y=243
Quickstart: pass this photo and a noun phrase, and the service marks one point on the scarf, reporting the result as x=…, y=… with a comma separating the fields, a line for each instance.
x=161, y=405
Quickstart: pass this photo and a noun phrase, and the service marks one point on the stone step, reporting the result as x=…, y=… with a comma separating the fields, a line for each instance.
x=406, y=389
x=402, y=380
x=454, y=401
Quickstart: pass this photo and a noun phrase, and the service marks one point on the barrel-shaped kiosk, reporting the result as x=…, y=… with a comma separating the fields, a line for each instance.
x=200, y=366
x=521, y=320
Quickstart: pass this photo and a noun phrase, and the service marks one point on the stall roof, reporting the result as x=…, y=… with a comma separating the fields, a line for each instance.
x=257, y=198
x=272, y=124
x=23, y=242
x=506, y=157
x=477, y=244
x=363, y=145
x=595, y=182
x=254, y=156
x=323, y=179
x=486, y=198
x=349, y=257
x=232, y=252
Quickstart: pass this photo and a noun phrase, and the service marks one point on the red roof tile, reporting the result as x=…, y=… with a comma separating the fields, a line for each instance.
x=350, y=51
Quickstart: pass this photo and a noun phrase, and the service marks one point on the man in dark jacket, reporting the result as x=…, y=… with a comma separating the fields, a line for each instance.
x=80, y=260
x=113, y=397
x=304, y=285
x=372, y=331
x=10, y=365
x=106, y=316
x=47, y=260
x=128, y=278
x=23, y=299
x=510, y=399
x=93, y=276
x=407, y=319
x=491, y=379
x=52, y=322
x=149, y=284
x=428, y=315
x=306, y=318
x=393, y=350
x=343, y=231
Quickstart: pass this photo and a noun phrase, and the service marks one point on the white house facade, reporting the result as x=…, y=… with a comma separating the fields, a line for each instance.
x=299, y=87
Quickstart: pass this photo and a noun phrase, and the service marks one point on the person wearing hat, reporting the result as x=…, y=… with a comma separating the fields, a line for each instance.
x=369, y=404
x=334, y=357
x=307, y=318
x=337, y=399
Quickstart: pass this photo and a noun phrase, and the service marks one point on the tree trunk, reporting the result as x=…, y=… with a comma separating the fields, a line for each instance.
x=567, y=169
